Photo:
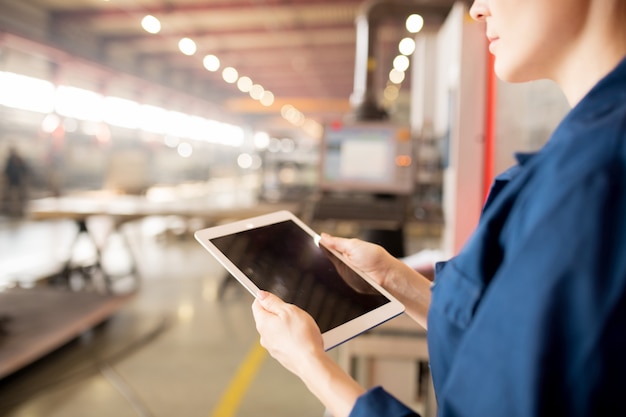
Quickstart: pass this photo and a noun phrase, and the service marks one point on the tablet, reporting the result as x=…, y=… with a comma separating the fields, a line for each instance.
x=278, y=253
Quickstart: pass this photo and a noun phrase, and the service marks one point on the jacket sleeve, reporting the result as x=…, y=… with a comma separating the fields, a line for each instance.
x=548, y=337
x=378, y=403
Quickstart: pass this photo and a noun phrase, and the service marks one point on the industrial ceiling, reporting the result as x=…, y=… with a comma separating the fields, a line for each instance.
x=303, y=51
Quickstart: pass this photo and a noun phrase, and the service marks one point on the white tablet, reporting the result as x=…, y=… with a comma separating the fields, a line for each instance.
x=278, y=253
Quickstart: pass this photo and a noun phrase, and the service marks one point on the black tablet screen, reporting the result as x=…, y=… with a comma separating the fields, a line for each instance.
x=285, y=260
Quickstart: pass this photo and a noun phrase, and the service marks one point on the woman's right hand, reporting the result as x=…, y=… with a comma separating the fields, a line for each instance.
x=367, y=257
x=404, y=283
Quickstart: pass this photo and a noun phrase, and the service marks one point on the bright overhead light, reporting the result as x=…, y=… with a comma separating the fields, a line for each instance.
x=261, y=140
x=152, y=119
x=286, y=110
x=151, y=24
x=244, y=84
x=121, y=112
x=50, y=123
x=406, y=46
x=211, y=63
x=267, y=98
x=78, y=103
x=292, y=115
x=184, y=149
x=256, y=92
x=401, y=63
x=391, y=92
x=396, y=76
x=27, y=93
x=230, y=75
x=313, y=128
x=414, y=23
x=187, y=46
x=244, y=161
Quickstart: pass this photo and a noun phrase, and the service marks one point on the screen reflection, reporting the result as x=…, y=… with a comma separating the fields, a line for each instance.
x=284, y=259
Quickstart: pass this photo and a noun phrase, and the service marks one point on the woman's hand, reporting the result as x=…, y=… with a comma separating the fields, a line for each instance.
x=293, y=338
x=368, y=257
x=407, y=285
x=288, y=333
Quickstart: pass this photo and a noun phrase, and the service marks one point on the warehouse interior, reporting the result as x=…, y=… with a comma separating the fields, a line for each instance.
x=141, y=122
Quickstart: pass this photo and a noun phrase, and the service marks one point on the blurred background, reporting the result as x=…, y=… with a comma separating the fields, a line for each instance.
x=127, y=125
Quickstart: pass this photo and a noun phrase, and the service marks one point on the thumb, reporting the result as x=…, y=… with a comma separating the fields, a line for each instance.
x=330, y=241
x=270, y=302
x=339, y=244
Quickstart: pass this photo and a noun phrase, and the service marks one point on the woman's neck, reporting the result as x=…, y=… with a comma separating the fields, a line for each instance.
x=586, y=73
x=600, y=47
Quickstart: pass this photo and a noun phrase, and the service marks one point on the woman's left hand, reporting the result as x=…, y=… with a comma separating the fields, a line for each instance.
x=289, y=333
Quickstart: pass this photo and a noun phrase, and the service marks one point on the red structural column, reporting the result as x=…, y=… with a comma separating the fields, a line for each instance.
x=490, y=124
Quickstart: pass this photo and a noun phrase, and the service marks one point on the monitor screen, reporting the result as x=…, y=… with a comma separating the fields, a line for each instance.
x=368, y=157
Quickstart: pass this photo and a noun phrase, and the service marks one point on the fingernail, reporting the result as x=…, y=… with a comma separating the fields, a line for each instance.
x=262, y=295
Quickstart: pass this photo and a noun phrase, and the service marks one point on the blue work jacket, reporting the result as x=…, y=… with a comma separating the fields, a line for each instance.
x=529, y=319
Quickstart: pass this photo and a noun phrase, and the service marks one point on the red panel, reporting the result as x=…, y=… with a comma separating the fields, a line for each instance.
x=490, y=124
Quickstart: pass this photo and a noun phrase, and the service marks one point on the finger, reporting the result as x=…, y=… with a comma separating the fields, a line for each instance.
x=271, y=302
x=259, y=313
x=257, y=308
x=337, y=243
x=262, y=343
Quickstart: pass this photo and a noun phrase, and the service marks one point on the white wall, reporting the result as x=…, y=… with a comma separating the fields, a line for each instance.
x=452, y=93
x=423, y=80
x=526, y=116
x=460, y=114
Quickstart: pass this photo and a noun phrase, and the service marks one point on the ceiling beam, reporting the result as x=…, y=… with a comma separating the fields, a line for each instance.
x=106, y=10
x=287, y=30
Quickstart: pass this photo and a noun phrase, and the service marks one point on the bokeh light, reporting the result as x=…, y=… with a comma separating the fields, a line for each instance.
x=211, y=63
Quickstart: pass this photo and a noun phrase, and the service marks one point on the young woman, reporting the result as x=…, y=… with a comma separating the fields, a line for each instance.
x=529, y=319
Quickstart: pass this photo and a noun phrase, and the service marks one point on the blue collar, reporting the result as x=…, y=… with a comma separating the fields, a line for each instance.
x=523, y=157
x=604, y=96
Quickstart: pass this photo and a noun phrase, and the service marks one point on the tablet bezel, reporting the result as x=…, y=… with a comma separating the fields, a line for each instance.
x=332, y=337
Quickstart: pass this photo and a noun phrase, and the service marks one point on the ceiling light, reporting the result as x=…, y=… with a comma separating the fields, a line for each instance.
x=391, y=92
x=244, y=84
x=184, y=149
x=50, y=123
x=313, y=128
x=300, y=120
x=244, y=161
x=396, y=76
x=287, y=145
x=230, y=75
x=211, y=63
x=187, y=46
x=406, y=46
x=256, y=91
x=274, y=145
x=267, y=98
x=291, y=114
x=401, y=63
x=261, y=140
x=414, y=23
x=151, y=24
x=284, y=111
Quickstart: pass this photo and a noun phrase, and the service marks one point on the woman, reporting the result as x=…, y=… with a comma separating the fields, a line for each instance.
x=529, y=319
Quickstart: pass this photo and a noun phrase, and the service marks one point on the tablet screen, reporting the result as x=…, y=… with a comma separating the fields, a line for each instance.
x=283, y=259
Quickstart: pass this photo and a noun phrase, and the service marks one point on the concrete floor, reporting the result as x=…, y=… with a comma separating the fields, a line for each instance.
x=175, y=350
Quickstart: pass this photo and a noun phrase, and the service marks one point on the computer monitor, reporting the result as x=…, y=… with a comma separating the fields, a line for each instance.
x=366, y=157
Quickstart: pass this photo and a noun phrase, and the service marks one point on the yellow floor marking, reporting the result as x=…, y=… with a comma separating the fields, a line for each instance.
x=238, y=386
